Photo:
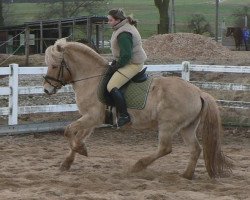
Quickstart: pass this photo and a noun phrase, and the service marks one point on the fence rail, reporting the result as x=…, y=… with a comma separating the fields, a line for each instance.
x=13, y=90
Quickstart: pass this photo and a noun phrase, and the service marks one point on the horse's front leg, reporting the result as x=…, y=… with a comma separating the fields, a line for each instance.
x=76, y=133
x=77, y=145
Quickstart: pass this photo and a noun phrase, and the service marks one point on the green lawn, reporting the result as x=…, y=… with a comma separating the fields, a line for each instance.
x=148, y=15
x=146, y=12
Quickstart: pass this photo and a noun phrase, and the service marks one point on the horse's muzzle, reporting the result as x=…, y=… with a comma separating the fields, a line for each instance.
x=46, y=91
x=50, y=92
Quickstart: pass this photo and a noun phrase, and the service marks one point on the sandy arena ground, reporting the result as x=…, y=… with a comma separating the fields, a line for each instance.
x=29, y=169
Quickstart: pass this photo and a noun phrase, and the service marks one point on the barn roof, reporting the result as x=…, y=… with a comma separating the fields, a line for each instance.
x=77, y=20
x=53, y=22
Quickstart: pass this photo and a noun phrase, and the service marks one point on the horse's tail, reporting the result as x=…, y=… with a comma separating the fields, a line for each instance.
x=210, y=126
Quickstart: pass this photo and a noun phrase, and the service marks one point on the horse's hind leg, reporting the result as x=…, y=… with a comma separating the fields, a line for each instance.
x=190, y=139
x=164, y=148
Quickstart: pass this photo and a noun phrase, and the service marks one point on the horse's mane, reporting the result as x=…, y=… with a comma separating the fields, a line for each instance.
x=54, y=53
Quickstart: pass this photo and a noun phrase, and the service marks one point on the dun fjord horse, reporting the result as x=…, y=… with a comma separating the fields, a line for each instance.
x=173, y=106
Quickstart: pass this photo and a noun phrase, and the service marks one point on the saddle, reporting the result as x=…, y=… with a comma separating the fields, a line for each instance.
x=135, y=91
x=141, y=76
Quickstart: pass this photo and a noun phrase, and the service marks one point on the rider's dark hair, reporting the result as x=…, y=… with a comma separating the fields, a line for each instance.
x=119, y=14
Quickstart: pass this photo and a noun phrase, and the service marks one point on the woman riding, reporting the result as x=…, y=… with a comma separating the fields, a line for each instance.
x=129, y=57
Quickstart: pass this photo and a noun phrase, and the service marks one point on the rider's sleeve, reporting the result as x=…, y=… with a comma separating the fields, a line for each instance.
x=125, y=43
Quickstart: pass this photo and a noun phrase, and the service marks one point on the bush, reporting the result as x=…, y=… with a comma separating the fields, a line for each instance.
x=199, y=25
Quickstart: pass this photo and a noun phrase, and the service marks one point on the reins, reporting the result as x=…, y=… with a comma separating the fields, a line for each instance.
x=60, y=76
x=83, y=79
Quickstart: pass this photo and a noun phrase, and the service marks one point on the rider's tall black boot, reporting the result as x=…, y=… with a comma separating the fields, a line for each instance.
x=121, y=107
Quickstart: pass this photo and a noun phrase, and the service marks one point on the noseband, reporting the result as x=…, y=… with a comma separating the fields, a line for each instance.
x=60, y=78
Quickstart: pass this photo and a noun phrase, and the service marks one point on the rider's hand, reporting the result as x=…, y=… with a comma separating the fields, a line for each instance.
x=113, y=67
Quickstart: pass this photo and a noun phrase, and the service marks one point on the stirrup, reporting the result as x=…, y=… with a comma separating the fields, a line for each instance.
x=122, y=120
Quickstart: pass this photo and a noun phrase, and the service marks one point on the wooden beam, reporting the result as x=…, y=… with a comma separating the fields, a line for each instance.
x=41, y=37
x=73, y=30
x=97, y=35
x=89, y=29
x=59, y=29
x=102, y=33
x=27, y=45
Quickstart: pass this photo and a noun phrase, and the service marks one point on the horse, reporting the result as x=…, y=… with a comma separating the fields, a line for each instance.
x=173, y=106
x=237, y=34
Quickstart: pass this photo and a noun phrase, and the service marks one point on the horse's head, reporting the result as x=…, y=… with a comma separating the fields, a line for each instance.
x=230, y=30
x=58, y=73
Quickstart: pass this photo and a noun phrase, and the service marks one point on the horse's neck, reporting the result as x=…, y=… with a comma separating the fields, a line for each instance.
x=86, y=75
x=86, y=81
x=86, y=71
x=86, y=95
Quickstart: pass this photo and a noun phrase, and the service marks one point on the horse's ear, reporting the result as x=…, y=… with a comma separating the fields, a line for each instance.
x=59, y=48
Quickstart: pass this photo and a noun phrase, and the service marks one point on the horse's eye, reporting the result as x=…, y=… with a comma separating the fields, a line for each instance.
x=54, y=67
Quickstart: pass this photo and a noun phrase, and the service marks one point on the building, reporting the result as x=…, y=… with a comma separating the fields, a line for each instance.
x=41, y=34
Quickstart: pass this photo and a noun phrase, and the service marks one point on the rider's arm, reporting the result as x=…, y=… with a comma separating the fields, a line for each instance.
x=125, y=43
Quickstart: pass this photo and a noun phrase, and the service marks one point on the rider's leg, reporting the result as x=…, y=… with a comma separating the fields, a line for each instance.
x=121, y=106
x=123, y=75
x=119, y=78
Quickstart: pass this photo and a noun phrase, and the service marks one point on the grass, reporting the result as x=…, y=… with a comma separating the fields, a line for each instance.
x=146, y=12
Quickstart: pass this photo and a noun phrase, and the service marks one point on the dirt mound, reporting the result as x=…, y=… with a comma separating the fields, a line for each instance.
x=187, y=46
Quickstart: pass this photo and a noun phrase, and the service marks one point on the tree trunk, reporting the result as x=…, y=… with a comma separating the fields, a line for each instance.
x=163, y=6
x=1, y=13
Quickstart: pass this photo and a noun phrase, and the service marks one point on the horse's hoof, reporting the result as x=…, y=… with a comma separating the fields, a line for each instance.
x=137, y=167
x=81, y=149
x=64, y=167
x=82, y=152
x=187, y=176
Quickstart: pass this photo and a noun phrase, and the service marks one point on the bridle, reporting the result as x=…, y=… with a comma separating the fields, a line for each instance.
x=60, y=77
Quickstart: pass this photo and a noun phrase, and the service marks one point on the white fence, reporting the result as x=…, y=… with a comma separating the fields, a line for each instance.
x=13, y=90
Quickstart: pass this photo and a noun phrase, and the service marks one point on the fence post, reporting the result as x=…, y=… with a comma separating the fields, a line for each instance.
x=13, y=97
x=185, y=73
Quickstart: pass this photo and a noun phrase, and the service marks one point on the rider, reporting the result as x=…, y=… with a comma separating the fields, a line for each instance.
x=129, y=57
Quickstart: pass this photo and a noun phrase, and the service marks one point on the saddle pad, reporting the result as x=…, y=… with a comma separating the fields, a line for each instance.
x=135, y=93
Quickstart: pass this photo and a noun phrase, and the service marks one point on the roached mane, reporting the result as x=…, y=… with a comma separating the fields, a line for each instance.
x=52, y=55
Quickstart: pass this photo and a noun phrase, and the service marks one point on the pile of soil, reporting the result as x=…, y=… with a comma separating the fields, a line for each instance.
x=177, y=47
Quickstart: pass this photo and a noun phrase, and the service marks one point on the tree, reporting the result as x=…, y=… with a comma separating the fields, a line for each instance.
x=199, y=25
x=73, y=8
x=1, y=13
x=163, y=6
x=240, y=14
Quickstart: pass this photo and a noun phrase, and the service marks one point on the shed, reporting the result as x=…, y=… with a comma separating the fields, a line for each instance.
x=43, y=33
